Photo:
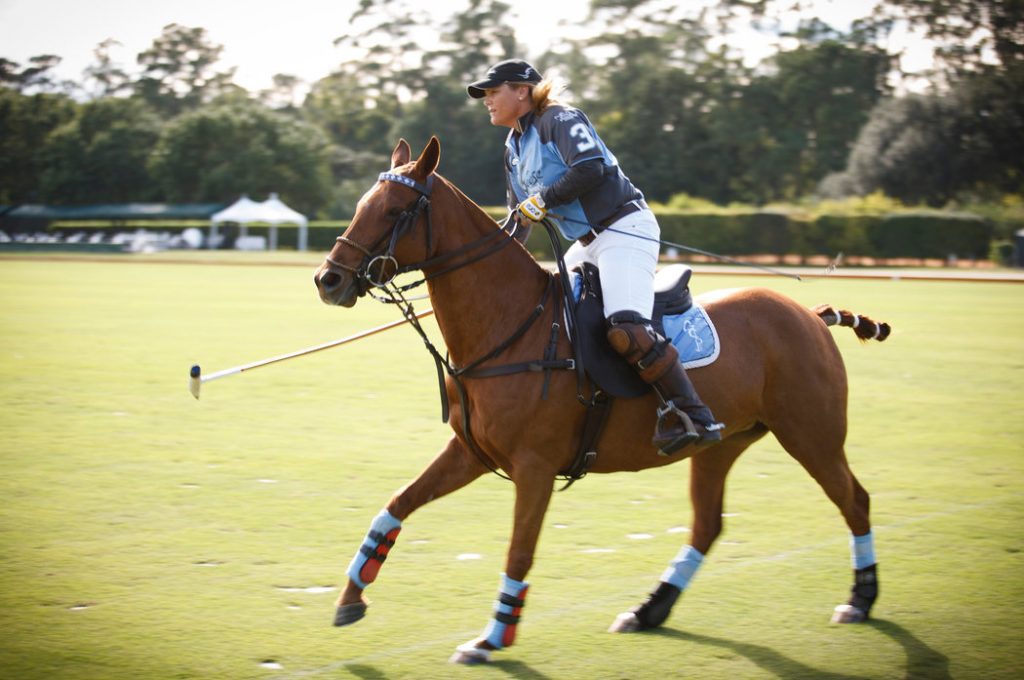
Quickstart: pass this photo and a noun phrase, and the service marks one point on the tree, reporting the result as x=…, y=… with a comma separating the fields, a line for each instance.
x=107, y=77
x=179, y=71
x=237, y=146
x=967, y=33
x=26, y=121
x=361, y=134
x=34, y=78
x=282, y=94
x=470, y=42
x=808, y=111
x=936, y=149
x=101, y=155
x=409, y=80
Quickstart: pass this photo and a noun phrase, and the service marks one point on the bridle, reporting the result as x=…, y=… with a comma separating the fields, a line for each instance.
x=379, y=267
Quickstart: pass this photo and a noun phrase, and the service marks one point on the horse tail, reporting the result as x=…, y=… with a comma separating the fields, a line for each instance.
x=865, y=327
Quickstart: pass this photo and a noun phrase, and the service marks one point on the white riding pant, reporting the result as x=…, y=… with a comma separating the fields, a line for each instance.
x=627, y=263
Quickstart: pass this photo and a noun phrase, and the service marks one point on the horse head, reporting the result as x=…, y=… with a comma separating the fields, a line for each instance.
x=374, y=248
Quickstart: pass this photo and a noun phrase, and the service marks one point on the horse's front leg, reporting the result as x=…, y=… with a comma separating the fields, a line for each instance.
x=453, y=468
x=533, y=494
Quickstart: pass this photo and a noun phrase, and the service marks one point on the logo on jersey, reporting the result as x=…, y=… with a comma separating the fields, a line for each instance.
x=564, y=116
x=533, y=182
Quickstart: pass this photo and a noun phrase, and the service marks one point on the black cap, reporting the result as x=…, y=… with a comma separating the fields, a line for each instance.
x=509, y=71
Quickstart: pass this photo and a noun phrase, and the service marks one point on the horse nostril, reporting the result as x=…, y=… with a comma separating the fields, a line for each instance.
x=330, y=280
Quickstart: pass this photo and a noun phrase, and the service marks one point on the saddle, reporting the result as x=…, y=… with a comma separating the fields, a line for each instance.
x=604, y=366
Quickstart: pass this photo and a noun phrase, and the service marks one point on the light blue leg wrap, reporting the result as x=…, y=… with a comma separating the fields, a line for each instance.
x=371, y=554
x=501, y=631
x=683, y=567
x=862, y=550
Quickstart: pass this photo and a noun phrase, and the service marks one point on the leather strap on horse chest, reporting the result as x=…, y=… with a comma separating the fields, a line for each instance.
x=546, y=364
x=593, y=425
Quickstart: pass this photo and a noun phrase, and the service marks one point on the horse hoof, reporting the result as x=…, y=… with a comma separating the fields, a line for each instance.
x=847, y=613
x=349, y=613
x=626, y=622
x=470, y=655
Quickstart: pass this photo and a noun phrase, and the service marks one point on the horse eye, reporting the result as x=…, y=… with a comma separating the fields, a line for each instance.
x=394, y=212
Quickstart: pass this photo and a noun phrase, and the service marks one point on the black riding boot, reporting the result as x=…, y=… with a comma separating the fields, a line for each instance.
x=683, y=418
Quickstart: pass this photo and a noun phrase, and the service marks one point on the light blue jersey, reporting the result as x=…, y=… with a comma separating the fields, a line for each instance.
x=551, y=143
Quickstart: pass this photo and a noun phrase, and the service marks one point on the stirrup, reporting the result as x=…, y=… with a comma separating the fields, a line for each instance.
x=676, y=443
x=702, y=434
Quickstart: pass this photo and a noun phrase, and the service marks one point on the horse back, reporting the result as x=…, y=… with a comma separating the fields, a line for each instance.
x=776, y=356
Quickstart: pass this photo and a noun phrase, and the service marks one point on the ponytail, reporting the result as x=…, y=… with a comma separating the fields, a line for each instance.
x=545, y=92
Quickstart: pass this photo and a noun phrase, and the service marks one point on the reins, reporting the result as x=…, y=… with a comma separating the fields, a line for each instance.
x=697, y=251
x=383, y=281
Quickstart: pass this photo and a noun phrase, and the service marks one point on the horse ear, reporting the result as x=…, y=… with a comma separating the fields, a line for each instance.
x=401, y=154
x=428, y=160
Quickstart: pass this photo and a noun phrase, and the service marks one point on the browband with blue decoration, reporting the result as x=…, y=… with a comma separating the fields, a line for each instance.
x=408, y=181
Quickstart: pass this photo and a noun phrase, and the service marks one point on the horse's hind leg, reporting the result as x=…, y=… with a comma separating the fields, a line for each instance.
x=708, y=471
x=453, y=468
x=822, y=455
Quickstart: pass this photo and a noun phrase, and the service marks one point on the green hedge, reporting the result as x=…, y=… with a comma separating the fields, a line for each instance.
x=923, y=234
x=833, y=234
x=932, y=235
x=899, y=235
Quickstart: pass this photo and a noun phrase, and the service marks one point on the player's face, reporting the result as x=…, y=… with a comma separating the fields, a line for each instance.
x=507, y=103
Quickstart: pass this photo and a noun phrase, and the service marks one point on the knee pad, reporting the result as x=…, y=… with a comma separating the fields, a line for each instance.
x=650, y=354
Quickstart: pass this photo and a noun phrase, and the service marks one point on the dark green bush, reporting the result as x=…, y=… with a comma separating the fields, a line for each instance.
x=931, y=235
x=833, y=234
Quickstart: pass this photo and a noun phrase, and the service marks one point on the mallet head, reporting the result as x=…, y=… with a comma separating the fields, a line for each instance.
x=194, y=381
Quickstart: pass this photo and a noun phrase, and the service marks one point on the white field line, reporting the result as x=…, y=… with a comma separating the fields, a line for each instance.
x=708, y=572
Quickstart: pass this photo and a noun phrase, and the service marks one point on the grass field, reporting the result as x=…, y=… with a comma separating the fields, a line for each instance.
x=147, y=535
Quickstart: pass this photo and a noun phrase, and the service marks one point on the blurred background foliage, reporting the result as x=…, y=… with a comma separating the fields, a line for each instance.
x=824, y=121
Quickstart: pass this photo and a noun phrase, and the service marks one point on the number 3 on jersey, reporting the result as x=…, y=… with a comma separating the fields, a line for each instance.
x=580, y=131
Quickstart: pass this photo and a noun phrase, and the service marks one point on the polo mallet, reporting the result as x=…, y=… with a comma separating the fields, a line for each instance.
x=196, y=378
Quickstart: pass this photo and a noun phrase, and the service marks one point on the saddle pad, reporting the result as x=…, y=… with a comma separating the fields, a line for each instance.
x=694, y=335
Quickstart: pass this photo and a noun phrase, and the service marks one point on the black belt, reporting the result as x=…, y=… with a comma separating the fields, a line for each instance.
x=626, y=209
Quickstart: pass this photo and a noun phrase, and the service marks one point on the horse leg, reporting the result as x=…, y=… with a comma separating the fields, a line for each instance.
x=452, y=469
x=828, y=466
x=708, y=470
x=533, y=494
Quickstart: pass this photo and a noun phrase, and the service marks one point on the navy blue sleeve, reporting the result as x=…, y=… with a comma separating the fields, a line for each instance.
x=572, y=134
x=577, y=180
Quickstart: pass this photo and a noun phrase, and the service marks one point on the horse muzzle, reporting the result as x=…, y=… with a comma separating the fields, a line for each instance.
x=337, y=288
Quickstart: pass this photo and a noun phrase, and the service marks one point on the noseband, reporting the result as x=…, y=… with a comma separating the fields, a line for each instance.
x=379, y=266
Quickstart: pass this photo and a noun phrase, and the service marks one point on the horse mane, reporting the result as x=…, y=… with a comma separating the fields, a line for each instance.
x=864, y=327
x=475, y=209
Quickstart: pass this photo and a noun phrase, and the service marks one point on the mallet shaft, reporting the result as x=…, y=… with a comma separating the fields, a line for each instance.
x=196, y=378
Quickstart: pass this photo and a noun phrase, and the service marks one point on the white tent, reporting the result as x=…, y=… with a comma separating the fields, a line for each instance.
x=272, y=211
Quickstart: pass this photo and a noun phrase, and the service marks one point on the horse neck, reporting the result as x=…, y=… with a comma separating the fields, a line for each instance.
x=480, y=304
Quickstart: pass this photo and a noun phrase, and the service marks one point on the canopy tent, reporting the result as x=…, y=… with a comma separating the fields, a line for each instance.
x=272, y=212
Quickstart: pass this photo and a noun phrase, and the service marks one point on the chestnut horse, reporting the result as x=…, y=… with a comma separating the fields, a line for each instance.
x=779, y=371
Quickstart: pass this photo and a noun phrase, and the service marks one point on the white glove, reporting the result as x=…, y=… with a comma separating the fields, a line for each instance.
x=533, y=208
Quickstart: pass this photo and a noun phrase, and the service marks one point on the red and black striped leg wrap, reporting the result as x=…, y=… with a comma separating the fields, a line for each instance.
x=375, y=548
x=508, y=609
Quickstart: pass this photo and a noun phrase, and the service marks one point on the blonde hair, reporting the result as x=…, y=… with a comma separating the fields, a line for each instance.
x=545, y=92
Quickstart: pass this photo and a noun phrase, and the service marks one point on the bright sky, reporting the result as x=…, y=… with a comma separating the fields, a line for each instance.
x=262, y=38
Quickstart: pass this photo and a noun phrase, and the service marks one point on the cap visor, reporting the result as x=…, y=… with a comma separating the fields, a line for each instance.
x=476, y=90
